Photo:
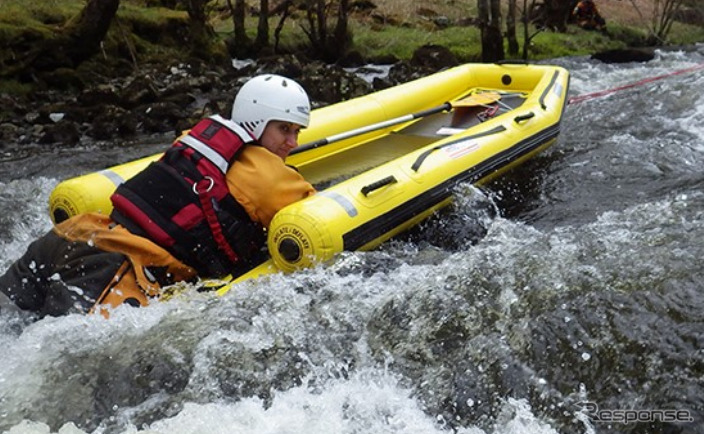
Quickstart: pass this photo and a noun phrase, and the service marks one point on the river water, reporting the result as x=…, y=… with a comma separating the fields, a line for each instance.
x=585, y=291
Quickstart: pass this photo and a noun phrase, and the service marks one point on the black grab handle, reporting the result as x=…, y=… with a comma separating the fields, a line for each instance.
x=378, y=184
x=525, y=117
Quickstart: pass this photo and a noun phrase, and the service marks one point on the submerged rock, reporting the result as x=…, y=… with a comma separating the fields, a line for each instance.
x=625, y=55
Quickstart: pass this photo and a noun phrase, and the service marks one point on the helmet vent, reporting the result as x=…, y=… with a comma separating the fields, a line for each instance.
x=250, y=125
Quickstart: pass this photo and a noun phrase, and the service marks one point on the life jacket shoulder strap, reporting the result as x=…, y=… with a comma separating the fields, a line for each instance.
x=214, y=137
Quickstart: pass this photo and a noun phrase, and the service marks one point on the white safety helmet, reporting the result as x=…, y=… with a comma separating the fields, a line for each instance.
x=267, y=98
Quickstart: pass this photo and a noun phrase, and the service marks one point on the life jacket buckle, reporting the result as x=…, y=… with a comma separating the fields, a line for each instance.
x=196, y=188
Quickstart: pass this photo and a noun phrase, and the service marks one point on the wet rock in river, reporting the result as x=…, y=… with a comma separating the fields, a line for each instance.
x=64, y=131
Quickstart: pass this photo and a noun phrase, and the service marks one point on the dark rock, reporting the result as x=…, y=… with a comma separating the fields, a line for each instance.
x=332, y=84
x=351, y=59
x=401, y=72
x=362, y=6
x=160, y=117
x=442, y=22
x=63, y=132
x=140, y=90
x=78, y=113
x=625, y=55
x=184, y=90
x=8, y=132
x=100, y=94
x=32, y=117
x=183, y=97
x=127, y=126
x=426, y=60
x=467, y=22
x=434, y=57
x=388, y=59
x=379, y=83
x=112, y=122
x=62, y=79
x=10, y=107
x=288, y=66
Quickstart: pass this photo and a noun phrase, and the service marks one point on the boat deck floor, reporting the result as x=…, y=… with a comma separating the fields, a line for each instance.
x=345, y=164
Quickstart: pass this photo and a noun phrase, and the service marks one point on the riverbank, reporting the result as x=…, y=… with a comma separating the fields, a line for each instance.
x=143, y=83
x=164, y=99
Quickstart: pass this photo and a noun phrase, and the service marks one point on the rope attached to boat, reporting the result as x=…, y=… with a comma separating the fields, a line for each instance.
x=587, y=96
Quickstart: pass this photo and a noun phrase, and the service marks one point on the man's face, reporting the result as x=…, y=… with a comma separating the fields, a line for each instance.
x=280, y=137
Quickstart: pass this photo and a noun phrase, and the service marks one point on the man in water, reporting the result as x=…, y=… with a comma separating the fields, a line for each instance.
x=200, y=211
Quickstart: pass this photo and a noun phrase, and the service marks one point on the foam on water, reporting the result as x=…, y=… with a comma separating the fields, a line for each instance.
x=477, y=323
x=327, y=365
x=22, y=220
x=370, y=402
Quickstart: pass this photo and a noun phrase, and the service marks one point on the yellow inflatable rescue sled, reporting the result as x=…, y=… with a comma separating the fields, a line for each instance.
x=385, y=161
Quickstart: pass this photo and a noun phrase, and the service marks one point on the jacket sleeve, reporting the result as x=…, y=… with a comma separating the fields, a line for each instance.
x=263, y=184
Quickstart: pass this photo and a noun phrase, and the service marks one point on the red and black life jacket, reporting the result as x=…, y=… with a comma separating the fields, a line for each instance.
x=182, y=202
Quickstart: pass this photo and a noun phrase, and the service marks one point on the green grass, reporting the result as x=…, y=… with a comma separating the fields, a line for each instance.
x=21, y=17
x=376, y=41
x=574, y=42
x=686, y=34
x=153, y=31
x=402, y=41
x=46, y=12
x=135, y=13
x=22, y=21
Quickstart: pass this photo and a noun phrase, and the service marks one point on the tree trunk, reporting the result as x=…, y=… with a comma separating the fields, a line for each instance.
x=664, y=23
x=285, y=10
x=526, y=33
x=263, y=26
x=88, y=29
x=528, y=15
x=322, y=21
x=201, y=32
x=328, y=44
x=238, y=16
x=511, y=28
x=490, y=27
x=341, y=40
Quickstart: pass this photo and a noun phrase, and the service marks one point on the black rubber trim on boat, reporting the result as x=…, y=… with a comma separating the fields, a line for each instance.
x=512, y=62
x=425, y=154
x=525, y=117
x=378, y=184
x=547, y=89
x=377, y=227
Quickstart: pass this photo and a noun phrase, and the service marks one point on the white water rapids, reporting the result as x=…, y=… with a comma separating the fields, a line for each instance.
x=586, y=287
